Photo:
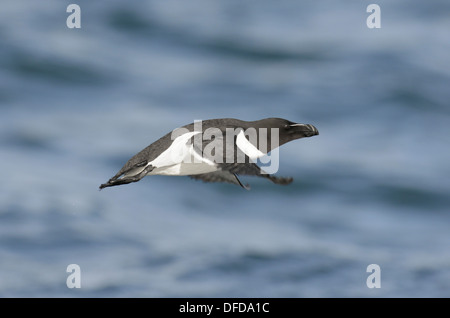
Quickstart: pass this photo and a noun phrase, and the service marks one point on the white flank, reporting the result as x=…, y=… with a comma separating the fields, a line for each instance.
x=247, y=147
x=180, y=159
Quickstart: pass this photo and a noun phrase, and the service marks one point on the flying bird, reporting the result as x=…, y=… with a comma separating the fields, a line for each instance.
x=214, y=150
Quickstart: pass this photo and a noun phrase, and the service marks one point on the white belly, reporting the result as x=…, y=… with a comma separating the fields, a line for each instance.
x=183, y=169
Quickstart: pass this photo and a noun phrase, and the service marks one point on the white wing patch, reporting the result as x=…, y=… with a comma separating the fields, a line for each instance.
x=181, y=159
x=247, y=147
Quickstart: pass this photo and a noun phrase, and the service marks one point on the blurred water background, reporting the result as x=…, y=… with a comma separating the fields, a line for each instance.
x=372, y=188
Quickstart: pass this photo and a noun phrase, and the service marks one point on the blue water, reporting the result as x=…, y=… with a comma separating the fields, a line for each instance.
x=372, y=188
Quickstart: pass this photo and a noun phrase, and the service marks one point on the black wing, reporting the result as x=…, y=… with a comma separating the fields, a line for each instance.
x=229, y=174
x=252, y=169
x=220, y=176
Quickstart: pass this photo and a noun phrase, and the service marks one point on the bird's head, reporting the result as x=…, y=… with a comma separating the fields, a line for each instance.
x=287, y=130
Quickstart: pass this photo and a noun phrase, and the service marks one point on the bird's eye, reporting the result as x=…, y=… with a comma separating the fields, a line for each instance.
x=287, y=127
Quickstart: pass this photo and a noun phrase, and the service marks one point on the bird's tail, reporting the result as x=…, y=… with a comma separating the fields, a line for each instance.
x=127, y=177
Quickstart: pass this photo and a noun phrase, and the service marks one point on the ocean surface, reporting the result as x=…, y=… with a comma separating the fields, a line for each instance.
x=372, y=188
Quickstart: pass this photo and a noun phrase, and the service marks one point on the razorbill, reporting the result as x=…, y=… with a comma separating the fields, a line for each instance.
x=214, y=150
